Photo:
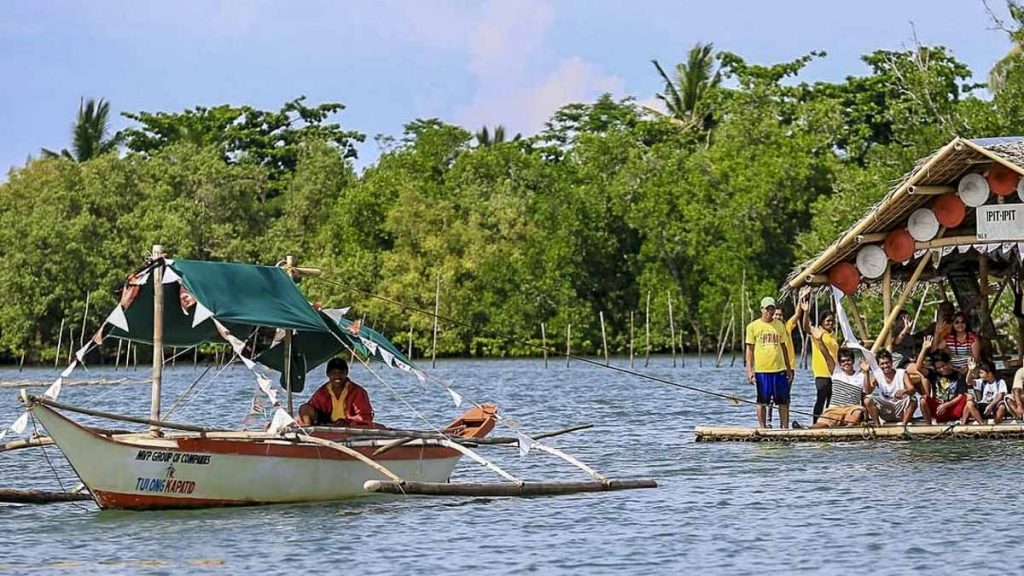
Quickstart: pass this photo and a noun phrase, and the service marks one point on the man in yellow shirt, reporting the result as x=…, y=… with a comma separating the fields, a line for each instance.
x=769, y=366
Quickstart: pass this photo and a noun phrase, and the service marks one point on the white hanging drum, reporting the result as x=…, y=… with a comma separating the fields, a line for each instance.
x=871, y=261
x=923, y=225
x=974, y=190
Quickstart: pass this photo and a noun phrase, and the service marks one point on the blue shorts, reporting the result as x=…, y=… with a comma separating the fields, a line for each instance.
x=772, y=387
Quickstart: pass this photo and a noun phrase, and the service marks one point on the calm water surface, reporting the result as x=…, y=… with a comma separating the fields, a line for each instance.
x=942, y=506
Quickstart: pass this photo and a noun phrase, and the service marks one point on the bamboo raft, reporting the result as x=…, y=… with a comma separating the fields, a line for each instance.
x=860, y=433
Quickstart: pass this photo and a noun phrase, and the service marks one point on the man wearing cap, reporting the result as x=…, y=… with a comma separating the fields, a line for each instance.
x=769, y=366
x=339, y=402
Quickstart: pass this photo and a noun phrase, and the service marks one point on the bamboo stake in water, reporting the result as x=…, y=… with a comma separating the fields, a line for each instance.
x=71, y=342
x=60, y=338
x=437, y=301
x=732, y=324
x=117, y=357
x=544, y=343
x=672, y=330
x=409, y=349
x=647, y=322
x=723, y=340
x=135, y=357
x=85, y=316
x=700, y=349
x=682, y=348
x=604, y=338
x=195, y=358
x=22, y=363
x=568, y=345
x=630, y=338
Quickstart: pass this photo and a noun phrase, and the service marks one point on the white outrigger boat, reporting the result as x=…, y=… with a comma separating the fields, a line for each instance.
x=172, y=465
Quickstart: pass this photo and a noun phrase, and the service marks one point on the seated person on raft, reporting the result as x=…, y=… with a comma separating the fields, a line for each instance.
x=945, y=392
x=847, y=387
x=339, y=402
x=989, y=392
x=1015, y=402
x=893, y=400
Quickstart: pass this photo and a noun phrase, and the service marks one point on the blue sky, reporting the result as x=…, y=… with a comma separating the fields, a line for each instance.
x=471, y=63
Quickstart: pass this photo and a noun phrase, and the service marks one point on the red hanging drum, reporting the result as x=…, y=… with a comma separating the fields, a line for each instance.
x=899, y=245
x=844, y=276
x=949, y=210
x=1002, y=180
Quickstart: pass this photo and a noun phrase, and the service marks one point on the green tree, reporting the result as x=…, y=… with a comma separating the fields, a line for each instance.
x=687, y=95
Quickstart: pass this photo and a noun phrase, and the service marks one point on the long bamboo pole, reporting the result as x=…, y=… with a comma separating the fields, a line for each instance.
x=647, y=323
x=862, y=329
x=409, y=350
x=158, y=339
x=630, y=338
x=71, y=342
x=544, y=343
x=117, y=357
x=604, y=338
x=887, y=299
x=437, y=304
x=887, y=325
x=85, y=317
x=568, y=343
x=672, y=329
x=60, y=337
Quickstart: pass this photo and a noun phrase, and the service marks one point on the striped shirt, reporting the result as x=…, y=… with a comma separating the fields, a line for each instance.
x=847, y=389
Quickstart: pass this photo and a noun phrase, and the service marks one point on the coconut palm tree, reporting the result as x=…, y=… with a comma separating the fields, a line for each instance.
x=485, y=139
x=686, y=95
x=997, y=75
x=89, y=132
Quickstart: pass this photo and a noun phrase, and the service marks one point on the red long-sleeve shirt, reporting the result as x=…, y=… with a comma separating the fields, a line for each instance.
x=351, y=407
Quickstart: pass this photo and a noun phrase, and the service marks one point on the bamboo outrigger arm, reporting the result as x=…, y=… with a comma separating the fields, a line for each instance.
x=479, y=459
x=349, y=451
x=556, y=452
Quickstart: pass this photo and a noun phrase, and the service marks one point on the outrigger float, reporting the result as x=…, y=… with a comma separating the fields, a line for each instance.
x=183, y=303
x=955, y=221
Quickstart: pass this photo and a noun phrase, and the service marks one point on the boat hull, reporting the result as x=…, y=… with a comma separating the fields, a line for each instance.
x=139, y=473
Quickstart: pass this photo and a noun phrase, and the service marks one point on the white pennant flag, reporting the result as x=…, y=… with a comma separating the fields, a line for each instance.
x=117, y=318
x=19, y=425
x=3, y=433
x=851, y=340
x=947, y=250
x=71, y=368
x=170, y=276
x=919, y=253
x=267, y=388
x=1006, y=247
x=525, y=443
x=963, y=248
x=388, y=357
x=456, y=397
x=80, y=354
x=202, y=314
x=54, y=390
x=281, y=421
x=981, y=248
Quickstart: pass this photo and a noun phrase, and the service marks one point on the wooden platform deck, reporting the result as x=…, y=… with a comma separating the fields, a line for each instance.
x=860, y=433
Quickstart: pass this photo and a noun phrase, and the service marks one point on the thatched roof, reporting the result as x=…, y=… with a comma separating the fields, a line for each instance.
x=944, y=167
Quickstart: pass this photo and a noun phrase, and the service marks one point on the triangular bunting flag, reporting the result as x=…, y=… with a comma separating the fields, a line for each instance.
x=202, y=313
x=919, y=253
x=947, y=250
x=979, y=248
x=281, y=421
x=71, y=368
x=54, y=390
x=963, y=248
x=81, y=352
x=19, y=425
x=388, y=357
x=170, y=276
x=456, y=397
x=117, y=318
x=1006, y=247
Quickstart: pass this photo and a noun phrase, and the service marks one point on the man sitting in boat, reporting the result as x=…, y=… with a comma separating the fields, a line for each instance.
x=847, y=386
x=945, y=389
x=339, y=402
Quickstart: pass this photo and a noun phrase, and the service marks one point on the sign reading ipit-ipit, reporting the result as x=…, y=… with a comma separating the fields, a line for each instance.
x=1000, y=222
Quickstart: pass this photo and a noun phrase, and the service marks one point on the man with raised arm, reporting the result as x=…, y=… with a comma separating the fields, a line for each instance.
x=848, y=386
x=769, y=366
x=339, y=402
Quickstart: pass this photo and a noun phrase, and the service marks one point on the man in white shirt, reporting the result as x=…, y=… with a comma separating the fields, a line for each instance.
x=893, y=400
x=989, y=392
x=848, y=387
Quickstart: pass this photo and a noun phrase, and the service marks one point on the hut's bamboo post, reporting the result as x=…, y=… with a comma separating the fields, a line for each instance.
x=920, y=306
x=60, y=338
x=85, y=317
x=604, y=338
x=630, y=338
x=983, y=292
x=568, y=343
x=158, y=339
x=437, y=304
x=544, y=343
x=647, y=324
x=887, y=325
x=862, y=328
x=672, y=330
x=887, y=299
x=117, y=357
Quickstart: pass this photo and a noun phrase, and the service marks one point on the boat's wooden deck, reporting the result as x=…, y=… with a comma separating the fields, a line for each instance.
x=859, y=433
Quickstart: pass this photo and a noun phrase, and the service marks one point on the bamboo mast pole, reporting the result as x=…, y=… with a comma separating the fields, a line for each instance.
x=437, y=303
x=887, y=325
x=158, y=339
x=289, y=267
x=604, y=338
x=60, y=338
x=85, y=316
x=647, y=323
x=887, y=299
x=544, y=343
x=672, y=329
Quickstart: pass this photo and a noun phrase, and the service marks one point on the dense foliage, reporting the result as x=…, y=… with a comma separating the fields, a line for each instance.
x=750, y=171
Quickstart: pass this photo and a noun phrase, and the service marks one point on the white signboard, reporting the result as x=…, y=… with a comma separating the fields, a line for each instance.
x=1000, y=222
